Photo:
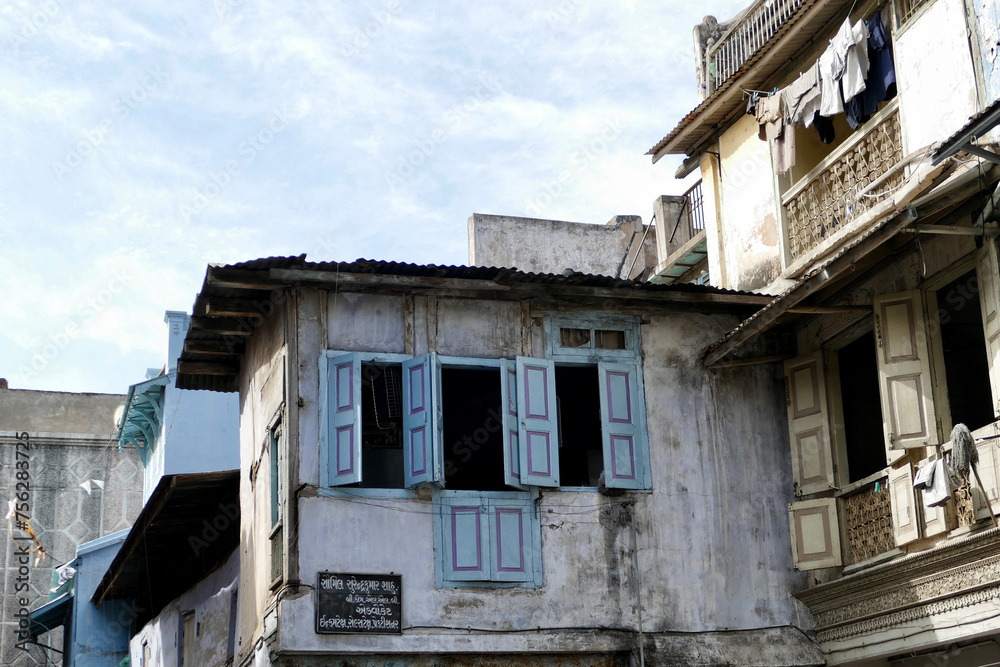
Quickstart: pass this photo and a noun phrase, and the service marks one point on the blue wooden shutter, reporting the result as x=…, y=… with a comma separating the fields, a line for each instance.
x=514, y=539
x=465, y=533
x=508, y=411
x=623, y=427
x=538, y=431
x=342, y=462
x=421, y=420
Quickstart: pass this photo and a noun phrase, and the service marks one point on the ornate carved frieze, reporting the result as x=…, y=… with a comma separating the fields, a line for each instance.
x=953, y=576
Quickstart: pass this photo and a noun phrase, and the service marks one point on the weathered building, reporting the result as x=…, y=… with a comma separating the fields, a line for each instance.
x=880, y=241
x=78, y=485
x=469, y=465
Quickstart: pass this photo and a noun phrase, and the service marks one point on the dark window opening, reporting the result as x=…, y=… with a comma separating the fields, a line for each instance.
x=965, y=359
x=859, y=394
x=581, y=456
x=473, y=433
x=574, y=337
x=381, y=427
x=609, y=339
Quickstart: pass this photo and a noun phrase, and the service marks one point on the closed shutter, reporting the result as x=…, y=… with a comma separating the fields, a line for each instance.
x=465, y=534
x=508, y=411
x=989, y=302
x=513, y=539
x=809, y=425
x=342, y=462
x=905, y=527
x=422, y=421
x=989, y=472
x=538, y=431
x=904, y=371
x=815, y=534
x=623, y=427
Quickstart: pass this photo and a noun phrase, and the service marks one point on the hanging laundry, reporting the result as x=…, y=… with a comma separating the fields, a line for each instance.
x=824, y=127
x=855, y=110
x=780, y=137
x=830, y=71
x=802, y=98
x=753, y=98
x=882, y=73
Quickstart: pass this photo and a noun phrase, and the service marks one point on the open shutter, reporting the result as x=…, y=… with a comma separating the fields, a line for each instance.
x=623, y=428
x=815, y=534
x=465, y=532
x=538, y=431
x=508, y=411
x=514, y=537
x=989, y=472
x=421, y=420
x=904, y=371
x=809, y=424
x=934, y=520
x=905, y=527
x=989, y=302
x=342, y=462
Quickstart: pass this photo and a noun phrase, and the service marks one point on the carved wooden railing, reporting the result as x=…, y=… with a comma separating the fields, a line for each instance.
x=734, y=48
x=867, y=517
x=851, y=180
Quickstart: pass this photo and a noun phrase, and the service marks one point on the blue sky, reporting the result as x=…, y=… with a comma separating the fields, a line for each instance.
x=145, y=140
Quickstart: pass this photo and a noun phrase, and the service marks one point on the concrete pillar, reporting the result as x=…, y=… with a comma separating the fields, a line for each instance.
x=177, y=326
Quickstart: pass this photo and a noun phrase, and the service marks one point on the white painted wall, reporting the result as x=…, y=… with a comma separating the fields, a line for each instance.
x=211, y=600
x=934, y=74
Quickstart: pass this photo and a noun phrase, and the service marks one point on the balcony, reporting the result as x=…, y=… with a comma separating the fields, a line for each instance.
x=853, y=179
x=752, y=31
x=681, y=244
x=866, y=513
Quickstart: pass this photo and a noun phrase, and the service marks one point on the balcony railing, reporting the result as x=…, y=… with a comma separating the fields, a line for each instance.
x=851, y=180
x=867, y=517
x=689, y=223
x=734, y=48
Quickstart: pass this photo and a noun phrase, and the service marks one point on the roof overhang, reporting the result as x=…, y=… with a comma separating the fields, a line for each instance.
x=771, y=64
x=235, y=299
x=188, y=527
x=964, y=140
x=143, y=416
x=50, y=615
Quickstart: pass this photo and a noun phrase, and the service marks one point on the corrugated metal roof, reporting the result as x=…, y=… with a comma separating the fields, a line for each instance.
x=978, y=125
x=797, y=33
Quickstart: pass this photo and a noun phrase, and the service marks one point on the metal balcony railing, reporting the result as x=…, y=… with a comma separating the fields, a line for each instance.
x=744, y=39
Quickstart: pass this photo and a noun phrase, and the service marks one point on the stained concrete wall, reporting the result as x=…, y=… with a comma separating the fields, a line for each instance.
x=713, y=542
x=935, y=75
x=72, y=438
x=988, y=36
x=552, y=246
x=750, y=230
x=211, y=601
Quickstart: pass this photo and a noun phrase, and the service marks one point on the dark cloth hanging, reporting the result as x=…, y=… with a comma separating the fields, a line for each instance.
x=882, y=72
x=754, y=97
x=824, y=128
x=857, y=111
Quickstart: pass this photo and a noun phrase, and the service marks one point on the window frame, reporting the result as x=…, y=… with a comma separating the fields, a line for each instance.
x=276, y=445
x=629, y=324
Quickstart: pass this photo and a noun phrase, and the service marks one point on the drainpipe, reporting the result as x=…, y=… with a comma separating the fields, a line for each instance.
x=638, y=597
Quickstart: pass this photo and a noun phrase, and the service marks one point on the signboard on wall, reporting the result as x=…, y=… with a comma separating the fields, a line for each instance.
x=359, y=603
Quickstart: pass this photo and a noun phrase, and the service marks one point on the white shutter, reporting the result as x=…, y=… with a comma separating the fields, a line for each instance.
x=815, y=534
x=905, y=526
x=809, y=424
x=904, y=371
x=934, y=519
x=989, y=303
x=990, y=475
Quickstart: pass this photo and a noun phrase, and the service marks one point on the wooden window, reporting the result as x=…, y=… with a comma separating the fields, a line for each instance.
x=487, y=538
x=809, y=425
x=815, y=534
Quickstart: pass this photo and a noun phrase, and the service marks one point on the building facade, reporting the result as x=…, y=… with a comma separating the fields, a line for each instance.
x=876, y=229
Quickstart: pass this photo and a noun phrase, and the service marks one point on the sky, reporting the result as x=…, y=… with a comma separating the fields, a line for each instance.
x=144, y=141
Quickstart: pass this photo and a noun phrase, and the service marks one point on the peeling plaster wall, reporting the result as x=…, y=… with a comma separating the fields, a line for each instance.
x=713, y=535
x=713, y=223
x=934, y=74
x=988, y=33
x=211, y=601
x=750, y=228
